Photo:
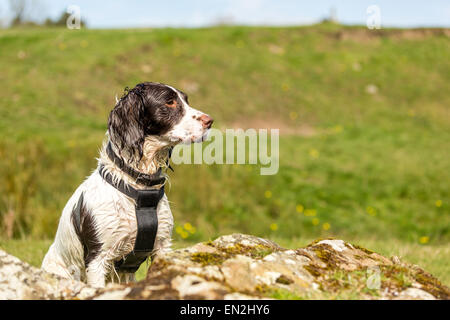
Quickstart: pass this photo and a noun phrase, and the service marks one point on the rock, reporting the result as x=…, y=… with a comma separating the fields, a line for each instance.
x=19, y=280
x=414, y=294
x=241, y=266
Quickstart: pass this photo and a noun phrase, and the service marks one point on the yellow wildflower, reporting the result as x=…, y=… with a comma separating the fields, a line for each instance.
x=274, y=227
x=188, y=226
x=268, y=194
x=338, y=129
x=299, y=208
x=314, y=153
x=326, y=226
x=424, y=239
x=179, y=230
x=293, y=115
x=184, y=234
x=315, y=221
x=371, y=211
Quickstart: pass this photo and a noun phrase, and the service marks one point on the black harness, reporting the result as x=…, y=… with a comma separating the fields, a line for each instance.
x=146, y=204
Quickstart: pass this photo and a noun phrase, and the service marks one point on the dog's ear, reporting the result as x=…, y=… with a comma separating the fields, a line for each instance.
x=126, y=125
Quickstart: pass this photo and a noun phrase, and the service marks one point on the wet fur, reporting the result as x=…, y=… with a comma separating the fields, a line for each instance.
x=145, y=123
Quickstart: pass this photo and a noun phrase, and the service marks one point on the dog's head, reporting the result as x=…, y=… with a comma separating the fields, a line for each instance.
x=155, y=110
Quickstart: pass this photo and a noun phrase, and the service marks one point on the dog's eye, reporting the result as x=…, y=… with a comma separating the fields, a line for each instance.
x=171, y=104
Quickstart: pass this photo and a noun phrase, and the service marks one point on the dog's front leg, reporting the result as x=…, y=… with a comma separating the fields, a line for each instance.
x=163, y=241
x=96, y=271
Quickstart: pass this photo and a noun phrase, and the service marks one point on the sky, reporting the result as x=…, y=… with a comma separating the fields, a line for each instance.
x=200, y=13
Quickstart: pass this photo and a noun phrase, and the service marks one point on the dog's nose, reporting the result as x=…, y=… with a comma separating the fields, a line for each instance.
x=207, y=121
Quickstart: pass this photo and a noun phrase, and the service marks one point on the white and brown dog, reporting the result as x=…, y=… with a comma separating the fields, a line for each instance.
x=98, y=226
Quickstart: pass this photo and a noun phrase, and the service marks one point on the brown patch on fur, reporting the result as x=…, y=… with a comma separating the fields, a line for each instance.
x=86, y=231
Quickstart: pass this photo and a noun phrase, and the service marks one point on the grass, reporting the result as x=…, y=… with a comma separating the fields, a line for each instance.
x=363, y=117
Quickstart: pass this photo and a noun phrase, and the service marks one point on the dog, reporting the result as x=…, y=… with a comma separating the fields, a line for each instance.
x=98, y=226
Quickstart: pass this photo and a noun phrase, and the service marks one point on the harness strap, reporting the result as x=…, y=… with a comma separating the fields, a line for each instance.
x=147, y=222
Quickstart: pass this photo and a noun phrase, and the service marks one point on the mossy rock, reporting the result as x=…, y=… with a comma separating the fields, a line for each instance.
x=246, y=267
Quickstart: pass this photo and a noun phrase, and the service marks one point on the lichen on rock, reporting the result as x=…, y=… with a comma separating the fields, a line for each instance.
x=241, y=266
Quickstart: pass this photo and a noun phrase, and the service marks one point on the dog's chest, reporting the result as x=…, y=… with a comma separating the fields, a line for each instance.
x=119, y=227
x=115, y=217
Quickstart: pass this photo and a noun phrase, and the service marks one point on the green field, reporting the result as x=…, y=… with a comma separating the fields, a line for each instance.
x=363, y=115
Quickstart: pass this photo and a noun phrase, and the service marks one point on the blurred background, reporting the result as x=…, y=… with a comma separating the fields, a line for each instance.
x=363, y=114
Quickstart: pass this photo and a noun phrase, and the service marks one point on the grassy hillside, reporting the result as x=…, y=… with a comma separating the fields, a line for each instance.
x=364, y=118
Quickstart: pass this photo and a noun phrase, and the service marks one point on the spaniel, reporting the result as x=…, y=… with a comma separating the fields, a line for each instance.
x=120, y=214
